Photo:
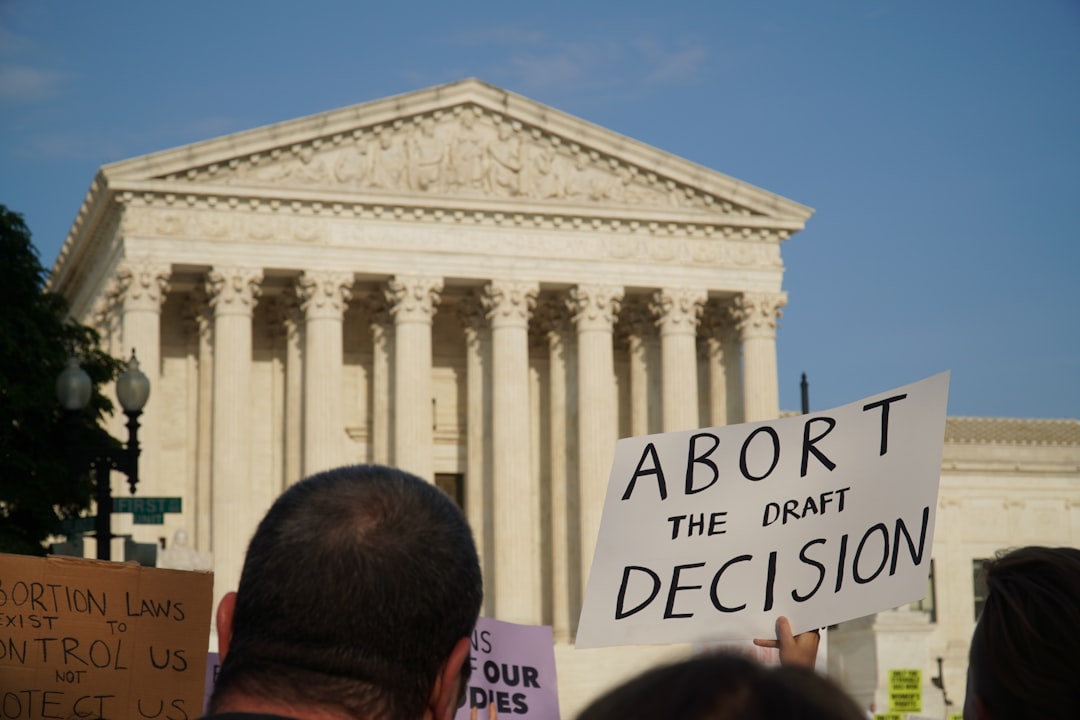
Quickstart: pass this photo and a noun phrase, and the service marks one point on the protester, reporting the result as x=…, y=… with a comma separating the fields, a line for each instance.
x=358, y=594
x=1026, y=646
x=725, y=687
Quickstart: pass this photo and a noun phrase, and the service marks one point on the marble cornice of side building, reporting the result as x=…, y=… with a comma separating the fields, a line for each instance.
x=474, y=212
x=1012, y=431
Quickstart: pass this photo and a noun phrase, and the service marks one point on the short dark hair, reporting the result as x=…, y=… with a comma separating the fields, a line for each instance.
x=724, y=686
x=1026, y=643
x=356, y=586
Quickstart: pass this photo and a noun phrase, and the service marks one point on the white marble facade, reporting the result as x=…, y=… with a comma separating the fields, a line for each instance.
x=458, y=281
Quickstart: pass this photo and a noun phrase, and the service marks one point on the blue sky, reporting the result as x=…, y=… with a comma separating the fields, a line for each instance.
x=939, y=142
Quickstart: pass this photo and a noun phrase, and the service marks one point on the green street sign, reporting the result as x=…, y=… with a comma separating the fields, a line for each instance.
x=79, y=525
x=147, y=506
x=149, y=519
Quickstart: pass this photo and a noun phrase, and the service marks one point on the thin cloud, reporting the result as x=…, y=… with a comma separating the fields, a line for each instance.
x=484, y=37
x=664, y=67
x=26, y=84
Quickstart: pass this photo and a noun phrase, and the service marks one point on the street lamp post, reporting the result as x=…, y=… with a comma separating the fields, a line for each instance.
x=73, y=389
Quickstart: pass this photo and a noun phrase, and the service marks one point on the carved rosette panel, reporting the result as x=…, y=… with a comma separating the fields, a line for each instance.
x=324, y=294
x=413, y=298
x=141, y=284
x=758, y=314
x=233, y=290
x=678, y=310
x=509, y=303
x=595, y=307
x=464, y=150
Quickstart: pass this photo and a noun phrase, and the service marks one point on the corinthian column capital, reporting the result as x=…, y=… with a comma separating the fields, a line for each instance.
x=141, y=284
x=413, y=298
x=595, y=307
x=324, y=294
x=509, y=302
x=678, y=310
x=233, y=290
x=758, y=314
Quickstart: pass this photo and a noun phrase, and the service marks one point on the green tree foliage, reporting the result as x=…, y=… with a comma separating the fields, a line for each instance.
x=44, y=476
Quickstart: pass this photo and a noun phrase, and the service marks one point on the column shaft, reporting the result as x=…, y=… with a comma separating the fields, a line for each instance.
x=413, y=300
x=142, y=285
x=232, y=293
x=322, y=299
x=517, y=492
x=595, y=308
x=757, y=316
x=677, y=312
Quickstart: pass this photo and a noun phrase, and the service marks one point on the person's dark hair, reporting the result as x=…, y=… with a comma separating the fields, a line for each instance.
x=724, y=686
x=355, y=588
x=1026, y=643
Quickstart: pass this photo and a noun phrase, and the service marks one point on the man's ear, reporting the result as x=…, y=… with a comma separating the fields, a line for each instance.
x=225, y=611
x=442, y=705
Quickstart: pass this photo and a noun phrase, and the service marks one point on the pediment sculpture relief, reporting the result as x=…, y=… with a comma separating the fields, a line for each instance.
x=465, y=151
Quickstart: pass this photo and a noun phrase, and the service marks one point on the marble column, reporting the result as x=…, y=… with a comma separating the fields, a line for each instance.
x=757, y=316
x=479, y=493
x=638, y=330
x=382, y=350
x=594, y=309
x=677, y=312
x=142, y=285
x=553, y=323
x=517, y=493
x=413, y=300
x=200, y=403
x=722, y=365
x=287, y=331
x=232, y=292
x=322, y=297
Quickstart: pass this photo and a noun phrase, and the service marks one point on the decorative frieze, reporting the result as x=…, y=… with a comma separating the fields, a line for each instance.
x=465, y=150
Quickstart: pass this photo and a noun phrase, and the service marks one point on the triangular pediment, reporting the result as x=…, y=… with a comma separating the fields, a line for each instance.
x=465, y=141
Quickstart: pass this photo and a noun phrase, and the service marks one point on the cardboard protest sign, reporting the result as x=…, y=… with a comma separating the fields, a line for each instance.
x=91, y=639
x=711, y=534
x=513, y=673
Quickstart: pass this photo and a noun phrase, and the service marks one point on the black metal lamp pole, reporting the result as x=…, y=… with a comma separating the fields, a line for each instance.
x=73, y=389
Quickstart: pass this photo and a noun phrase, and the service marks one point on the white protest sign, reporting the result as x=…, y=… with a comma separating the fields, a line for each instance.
x=512, y=673
x=711, y=534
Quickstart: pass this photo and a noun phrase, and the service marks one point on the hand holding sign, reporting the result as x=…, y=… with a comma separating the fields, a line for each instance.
x=711, y=534
x=799, y=649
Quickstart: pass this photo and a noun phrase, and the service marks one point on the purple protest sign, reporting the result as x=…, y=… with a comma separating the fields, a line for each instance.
x=513, y=673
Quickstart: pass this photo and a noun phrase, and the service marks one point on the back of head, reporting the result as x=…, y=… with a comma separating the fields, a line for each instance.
x=1026, y=644
x=724, y=687
x=355, y=587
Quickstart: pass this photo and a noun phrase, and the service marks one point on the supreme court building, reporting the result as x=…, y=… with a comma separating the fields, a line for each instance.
x=457, y=281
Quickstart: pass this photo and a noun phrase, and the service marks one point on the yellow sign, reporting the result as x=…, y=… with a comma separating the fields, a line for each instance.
x=905, y=691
